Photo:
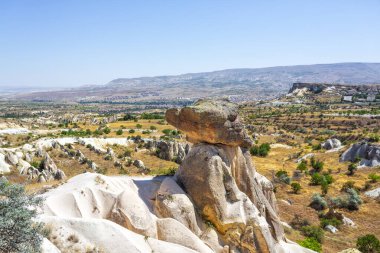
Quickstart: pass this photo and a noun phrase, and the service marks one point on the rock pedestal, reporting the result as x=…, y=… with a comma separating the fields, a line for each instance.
x=219, y=177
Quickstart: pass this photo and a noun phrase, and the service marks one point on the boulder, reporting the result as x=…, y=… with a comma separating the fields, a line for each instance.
x=172, y=202
x=211, y=121
x=375, y=193
x=139, y=164
x=348, y=222
x=331, y=229
x=12, y=158
x=331, y=144
x=131, y=212
x=4, y=167
x=369, y=154
x=170, y=230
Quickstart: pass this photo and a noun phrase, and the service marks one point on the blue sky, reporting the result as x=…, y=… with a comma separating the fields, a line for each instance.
x=71, y=43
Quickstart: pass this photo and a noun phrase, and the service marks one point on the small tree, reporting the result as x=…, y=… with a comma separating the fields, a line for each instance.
x=107, y=130
x=313, y=231
x=368, y=244
x=119, y=132
x=296, y=187
x=324, y=187
x=138, y=126
x=352, y=168
x=302, y=166
x=18, y=231
x=317, y=165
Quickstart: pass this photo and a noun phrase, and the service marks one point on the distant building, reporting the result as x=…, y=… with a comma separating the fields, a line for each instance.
x=371, y=97
x=347, y=98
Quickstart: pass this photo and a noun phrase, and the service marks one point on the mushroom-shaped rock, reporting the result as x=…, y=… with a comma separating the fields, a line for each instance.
x=211, y=121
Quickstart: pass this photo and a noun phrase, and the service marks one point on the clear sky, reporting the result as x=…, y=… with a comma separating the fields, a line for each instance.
x=71, y=43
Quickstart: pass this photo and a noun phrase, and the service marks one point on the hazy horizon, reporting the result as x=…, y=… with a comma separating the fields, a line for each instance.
x=69, y=44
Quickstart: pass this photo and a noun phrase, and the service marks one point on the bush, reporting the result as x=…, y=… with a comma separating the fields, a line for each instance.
x=152, y=116
x=324, y=187
x=261, y=150
x=333, y=222
x=19, y=233
x=373, y=177
x=312, y=244
x=368, y=244
x=131, y=131
x=317, y=146
x=351, y=200
x=138, y=126
x=119, y=132
x=283, y=176
x=317, y=165
x=107, y=130
x=348, y=185
x=318, y=179
x=314, y=232
x=153, y=128
x=318, y=202
x=129, y=117
x=302, y=166
x=296, y=187
x=352, y=168
x=298, y=222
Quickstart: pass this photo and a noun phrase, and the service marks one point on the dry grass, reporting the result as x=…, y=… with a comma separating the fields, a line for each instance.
x=366, y=218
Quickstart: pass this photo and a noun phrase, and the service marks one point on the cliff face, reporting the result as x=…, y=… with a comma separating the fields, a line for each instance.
x=219, y=177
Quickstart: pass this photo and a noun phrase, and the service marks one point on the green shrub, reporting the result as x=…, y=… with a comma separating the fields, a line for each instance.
x=19, y=232
x=146, y=115
x=352, y=168
x=283, y=176
x=107, y=130
x=368, y=244
x=318, y=202
x=138, y=126
x=119, y=132
x=318, y=179
x=302, y=166
x=374, y=177
x=351, y=200
x=296, y=187
x=311, y=243
x=333, y=222
x=131, y=131
x=317, y=165
x=317, y=147
x=153, y=128
x=261, y=150
x=314, y=232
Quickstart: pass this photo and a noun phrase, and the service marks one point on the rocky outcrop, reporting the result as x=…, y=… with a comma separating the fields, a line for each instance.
x=210, y=121
x=219, y=177
x=331, y=144
x=169, y=150
x=368, y=154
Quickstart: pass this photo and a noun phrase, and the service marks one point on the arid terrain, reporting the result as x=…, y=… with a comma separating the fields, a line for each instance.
x=102, y=165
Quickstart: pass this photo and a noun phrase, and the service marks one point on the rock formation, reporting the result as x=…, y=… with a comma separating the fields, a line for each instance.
x=210, y=121
x=169, y=150
x=331, y=144
x=367, y=153
x=219, y=177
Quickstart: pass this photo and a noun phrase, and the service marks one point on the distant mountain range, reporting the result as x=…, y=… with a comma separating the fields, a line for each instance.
x=239, y=84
